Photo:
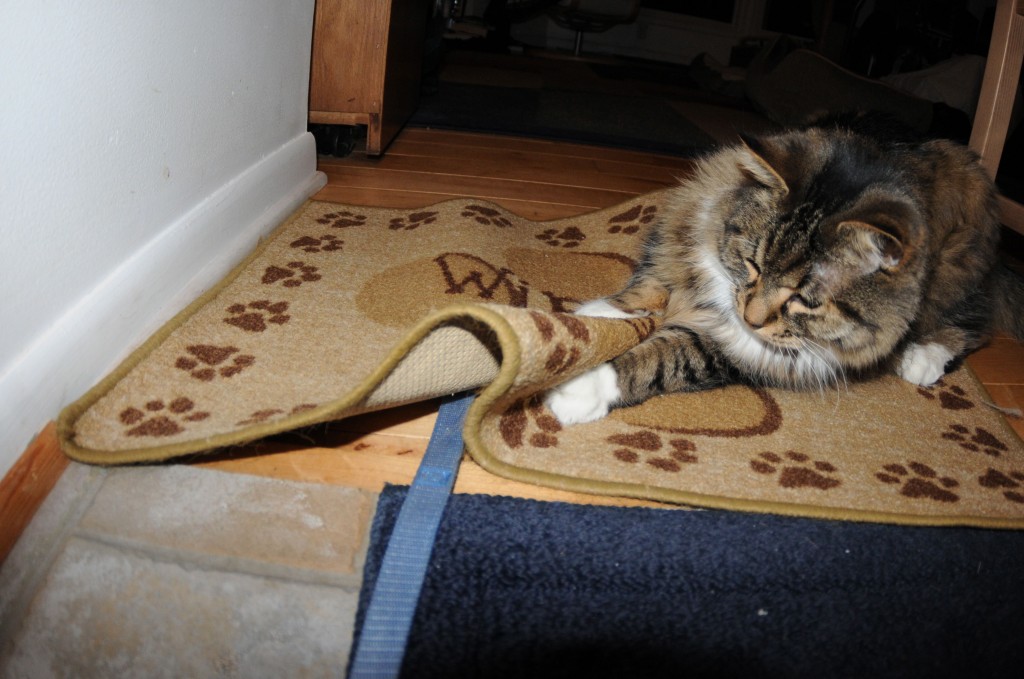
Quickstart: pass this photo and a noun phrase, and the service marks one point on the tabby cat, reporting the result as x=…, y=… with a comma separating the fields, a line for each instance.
x=805, y=257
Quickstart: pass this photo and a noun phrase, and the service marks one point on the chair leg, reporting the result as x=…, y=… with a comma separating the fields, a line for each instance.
x=578, y=46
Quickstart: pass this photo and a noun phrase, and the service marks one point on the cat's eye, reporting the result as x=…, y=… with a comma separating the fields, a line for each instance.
x=753, y=271
x=798, y=302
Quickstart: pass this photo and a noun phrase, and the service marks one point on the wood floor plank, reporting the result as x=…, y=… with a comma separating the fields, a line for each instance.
x=397, y=198
x=427, y=153
x=488, y=188
x=999, y=363
x=369, y=461
x=513, y=166
x=25, y=486
x=455, y=140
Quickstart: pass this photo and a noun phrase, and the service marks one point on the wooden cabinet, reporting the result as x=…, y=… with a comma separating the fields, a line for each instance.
x=366, y=65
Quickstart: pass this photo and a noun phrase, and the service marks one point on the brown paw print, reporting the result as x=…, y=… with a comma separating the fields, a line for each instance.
x=640, y=445
x=486, y=215
x=261, y=416
x=561, y=355
x=157, y=418
x=412, y=221
x=630, y=221
x=294, y=275
x=797, y=470
x=981, y=440
x=949, y=396
x=325, y=243
x=1011, y=484
x=254, y=316
x=919, y=481
x=342, y=219
x=518, y=420
x=203, y=360
x=569, y=237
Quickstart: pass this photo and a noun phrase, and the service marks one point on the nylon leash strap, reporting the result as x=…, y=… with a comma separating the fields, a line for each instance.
x=392, y=605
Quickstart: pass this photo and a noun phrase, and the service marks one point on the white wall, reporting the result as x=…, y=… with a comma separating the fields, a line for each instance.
x=144, y=147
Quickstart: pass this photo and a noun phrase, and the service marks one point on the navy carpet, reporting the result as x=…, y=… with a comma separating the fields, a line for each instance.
x=518, y=588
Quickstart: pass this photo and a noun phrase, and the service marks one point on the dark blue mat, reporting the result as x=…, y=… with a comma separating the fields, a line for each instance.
x=528, y=589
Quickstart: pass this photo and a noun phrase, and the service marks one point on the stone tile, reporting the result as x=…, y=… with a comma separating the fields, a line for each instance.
x=286, y=523
x=108, y=612
x=43, y=538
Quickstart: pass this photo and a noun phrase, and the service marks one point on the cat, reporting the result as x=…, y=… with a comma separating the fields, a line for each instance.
x=803, y=258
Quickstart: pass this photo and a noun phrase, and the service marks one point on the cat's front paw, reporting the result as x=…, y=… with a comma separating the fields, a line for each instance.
x=585, y=398
x=924, y=364
x=600, y=308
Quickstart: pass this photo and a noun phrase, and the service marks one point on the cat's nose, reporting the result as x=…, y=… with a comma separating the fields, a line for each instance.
x=756, y=313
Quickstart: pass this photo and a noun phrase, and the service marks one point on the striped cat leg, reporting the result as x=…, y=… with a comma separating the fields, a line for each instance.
x=588, y=397
x=672, y=359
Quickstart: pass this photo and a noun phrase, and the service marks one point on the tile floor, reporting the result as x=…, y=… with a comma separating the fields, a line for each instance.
x=155, y=572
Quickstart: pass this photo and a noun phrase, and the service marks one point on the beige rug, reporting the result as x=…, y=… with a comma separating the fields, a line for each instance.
x=344, y=310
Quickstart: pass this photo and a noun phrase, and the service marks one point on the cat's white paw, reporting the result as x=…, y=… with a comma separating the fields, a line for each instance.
x=600, y=308
x=924, y=364
x=585, y=398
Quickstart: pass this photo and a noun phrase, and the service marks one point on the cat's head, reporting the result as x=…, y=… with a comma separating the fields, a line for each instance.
x=819, y=238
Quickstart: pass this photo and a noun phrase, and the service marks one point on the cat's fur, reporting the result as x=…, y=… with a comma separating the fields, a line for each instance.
x=802, y=258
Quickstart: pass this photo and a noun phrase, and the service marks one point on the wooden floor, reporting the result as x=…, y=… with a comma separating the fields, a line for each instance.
x=536, y=179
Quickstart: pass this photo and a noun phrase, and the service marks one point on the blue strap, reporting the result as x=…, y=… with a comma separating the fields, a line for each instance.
x=393, y=602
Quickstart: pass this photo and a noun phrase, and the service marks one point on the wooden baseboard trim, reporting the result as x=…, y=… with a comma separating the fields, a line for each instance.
x=27, y=484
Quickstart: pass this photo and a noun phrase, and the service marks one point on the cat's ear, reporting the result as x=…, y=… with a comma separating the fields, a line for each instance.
x=756, y=163
x=874, y=247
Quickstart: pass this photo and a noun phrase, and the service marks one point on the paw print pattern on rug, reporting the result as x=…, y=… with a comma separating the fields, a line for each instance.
x=640, y=445
x=254, y=316
x=1011, y=484
x=919, y=481
x=569, y=237
x=294, y=275
x=342, y=219
x=517, y=421
x=325, y=243
x=561, y=357
x=260, y=416
x=981, y=440
x=796, y=470
x=630, y=221
x=950, y=396
x=412, y=221
x=204, y=359
x=157, y=418
x=486, y=215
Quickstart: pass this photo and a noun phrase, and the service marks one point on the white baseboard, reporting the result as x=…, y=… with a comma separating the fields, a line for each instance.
x=185, y=259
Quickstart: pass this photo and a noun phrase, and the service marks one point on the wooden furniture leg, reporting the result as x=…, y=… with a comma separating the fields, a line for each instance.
x=998, y=92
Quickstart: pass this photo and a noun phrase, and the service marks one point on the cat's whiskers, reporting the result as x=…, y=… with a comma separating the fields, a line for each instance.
x=830, y=371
